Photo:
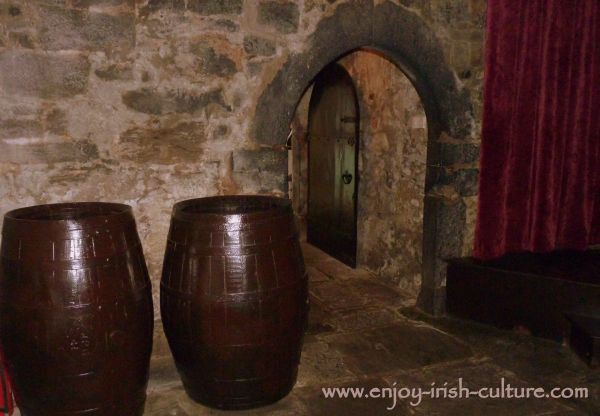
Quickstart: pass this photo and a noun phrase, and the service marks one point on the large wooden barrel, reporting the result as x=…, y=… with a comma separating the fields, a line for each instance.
x=75, y=310
x=234, y=299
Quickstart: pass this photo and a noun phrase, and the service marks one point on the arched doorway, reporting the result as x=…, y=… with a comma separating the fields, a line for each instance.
x=407, y=40
x=391, y=146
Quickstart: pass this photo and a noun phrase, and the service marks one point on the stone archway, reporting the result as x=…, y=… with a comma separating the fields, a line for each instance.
x=406, y=40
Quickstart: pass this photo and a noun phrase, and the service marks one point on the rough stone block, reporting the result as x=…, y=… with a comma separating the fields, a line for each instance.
x=33, y=124
x=189, y=102
x=478, y=12
x=259, y=182
x=151, y=101
x=64, y=29
x=465, y=181
x=44, y=75
x=470, y=222
x=259, y=160
x=10, y=9
x=89, y=3
x=450, y=218
x=471, y=153
x=255, y=46
x=144, y=100
x=22, y=39
x=451, y=12
x=283, y=16
x=182, y=142
x=20, y=128
x=209, y=7
x=458, y=153
x=24, y=152
x=227, y=25
x=55, y=121
x=461, y=56
x=212, y=62
x=260, y=171
x=154, y=5
x=115, y=72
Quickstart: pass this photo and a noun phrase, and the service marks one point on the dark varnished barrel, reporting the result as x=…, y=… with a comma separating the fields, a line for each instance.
x=234, y=299
x=75, y=310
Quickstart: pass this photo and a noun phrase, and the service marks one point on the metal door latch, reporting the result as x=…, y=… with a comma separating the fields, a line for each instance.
x=347, y=177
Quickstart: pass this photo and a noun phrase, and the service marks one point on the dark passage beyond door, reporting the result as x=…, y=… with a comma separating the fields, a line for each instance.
x=332, y=168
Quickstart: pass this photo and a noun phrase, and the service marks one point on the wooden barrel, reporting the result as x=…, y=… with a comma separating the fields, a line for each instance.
x=234, y=299
x=75, y=310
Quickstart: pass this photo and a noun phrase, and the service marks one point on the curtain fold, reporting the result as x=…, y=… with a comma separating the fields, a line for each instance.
x=540, y=151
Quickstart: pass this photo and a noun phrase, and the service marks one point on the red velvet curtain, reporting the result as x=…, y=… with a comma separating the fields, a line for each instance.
x=540, y=155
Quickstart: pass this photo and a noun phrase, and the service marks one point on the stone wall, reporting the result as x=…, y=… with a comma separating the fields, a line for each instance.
x=152, y=101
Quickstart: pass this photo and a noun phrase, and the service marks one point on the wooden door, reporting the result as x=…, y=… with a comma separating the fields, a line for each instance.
x=332, y=166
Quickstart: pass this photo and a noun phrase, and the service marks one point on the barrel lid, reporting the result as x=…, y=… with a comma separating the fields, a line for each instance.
x=231, y=208
x=66, y=216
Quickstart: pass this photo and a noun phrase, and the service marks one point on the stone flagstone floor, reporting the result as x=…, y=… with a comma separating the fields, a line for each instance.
x=365, y=334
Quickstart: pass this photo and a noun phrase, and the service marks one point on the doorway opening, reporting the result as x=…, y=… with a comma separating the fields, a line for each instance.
x=358, y=163
x=332, y=140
